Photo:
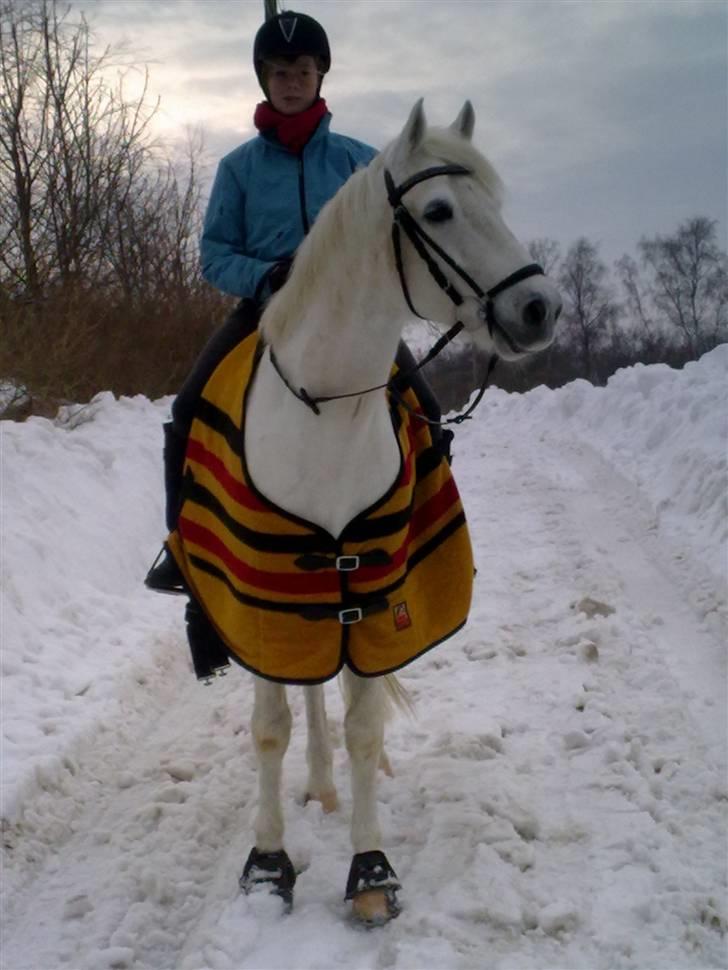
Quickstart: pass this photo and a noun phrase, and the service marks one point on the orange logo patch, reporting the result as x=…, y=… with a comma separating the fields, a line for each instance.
x=402, y=618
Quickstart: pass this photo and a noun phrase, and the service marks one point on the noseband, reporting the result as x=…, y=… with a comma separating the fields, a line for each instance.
x=405, y=222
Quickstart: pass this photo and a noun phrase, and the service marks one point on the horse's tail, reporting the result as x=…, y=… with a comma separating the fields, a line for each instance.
x=395, y=696
x=398, y=695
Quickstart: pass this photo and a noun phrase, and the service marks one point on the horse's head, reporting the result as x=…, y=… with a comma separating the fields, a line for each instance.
x=457, y=258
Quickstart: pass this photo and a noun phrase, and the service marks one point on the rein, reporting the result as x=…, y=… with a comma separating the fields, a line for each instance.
x=405, y=222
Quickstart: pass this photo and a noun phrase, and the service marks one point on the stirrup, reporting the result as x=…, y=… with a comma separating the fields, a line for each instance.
x=165, y=575
x=272, y=869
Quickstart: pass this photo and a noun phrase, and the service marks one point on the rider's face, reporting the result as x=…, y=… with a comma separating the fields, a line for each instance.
x=292, y=85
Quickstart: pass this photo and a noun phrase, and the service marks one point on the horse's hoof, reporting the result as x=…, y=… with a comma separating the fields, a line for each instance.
x=375, y=907
x=270, y=870
x=372, y=888
x=329, y=800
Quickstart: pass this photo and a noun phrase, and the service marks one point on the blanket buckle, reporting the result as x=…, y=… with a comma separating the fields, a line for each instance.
x=352, y=615
x=347, y=564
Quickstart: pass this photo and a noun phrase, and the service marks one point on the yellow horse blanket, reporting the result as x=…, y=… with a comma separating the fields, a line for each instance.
x=291, y=602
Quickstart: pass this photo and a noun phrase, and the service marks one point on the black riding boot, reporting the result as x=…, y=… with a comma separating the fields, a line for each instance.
x=209, y=654
x=165, y=575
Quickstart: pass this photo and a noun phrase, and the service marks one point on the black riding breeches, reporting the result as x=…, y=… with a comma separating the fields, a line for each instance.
x=240, y=324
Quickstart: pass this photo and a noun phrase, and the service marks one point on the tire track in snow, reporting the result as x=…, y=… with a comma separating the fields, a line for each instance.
x=128, y=874
x=649, y=728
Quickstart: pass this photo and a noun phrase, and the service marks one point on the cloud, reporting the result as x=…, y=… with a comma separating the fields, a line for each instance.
x=606, y=119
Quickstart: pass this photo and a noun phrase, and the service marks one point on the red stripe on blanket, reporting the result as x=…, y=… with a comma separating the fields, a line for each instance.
x=424, y=518
x=235, y=488
x=305, y=584
x=434, y=508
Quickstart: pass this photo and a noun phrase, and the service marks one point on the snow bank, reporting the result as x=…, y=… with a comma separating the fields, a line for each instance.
x=559, y=802
x=665, y=430
x=81, y=521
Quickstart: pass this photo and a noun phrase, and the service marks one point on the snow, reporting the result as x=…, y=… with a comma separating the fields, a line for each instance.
x=558, y=801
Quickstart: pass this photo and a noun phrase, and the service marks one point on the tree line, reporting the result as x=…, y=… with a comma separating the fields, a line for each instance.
x=100, y=287
x=99, y=223
x=668, y=305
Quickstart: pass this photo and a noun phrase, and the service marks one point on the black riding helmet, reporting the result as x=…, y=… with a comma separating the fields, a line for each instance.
x=290, y=34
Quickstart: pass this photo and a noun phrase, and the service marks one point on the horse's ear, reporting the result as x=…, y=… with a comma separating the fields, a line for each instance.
x=414, y=131
x=465, y=121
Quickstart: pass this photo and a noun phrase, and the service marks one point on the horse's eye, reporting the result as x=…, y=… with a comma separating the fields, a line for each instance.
x=438, y=211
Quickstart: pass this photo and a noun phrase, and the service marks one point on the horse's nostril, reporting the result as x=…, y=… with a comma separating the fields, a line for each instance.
x=534, y=312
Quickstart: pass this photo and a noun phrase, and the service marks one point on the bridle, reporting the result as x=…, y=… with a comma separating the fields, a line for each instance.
x=405, y=222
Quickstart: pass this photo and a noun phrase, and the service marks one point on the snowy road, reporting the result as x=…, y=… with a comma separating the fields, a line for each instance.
x=559, y=802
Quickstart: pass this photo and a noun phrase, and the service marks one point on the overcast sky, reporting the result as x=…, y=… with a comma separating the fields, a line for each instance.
x=606, y=119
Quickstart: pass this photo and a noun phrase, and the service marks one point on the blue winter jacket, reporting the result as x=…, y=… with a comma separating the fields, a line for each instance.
x=265, y=199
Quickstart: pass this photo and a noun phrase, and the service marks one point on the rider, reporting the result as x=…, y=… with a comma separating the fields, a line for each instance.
x=266, y=194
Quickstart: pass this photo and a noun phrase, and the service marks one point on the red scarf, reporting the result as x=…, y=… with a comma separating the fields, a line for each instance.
x=293, y=131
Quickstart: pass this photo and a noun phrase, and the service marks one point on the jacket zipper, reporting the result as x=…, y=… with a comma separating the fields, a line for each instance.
x=302, y=196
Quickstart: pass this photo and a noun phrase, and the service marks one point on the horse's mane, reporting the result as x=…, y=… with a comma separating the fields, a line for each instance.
x=356, y=208
x=349, y=211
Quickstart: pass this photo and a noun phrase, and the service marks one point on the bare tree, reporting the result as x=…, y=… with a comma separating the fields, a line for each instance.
x=23, y=113
x=689, y=282
x=154, y=232
x=589, y=305
x=100, y=285
x=547, y=253
x=72, y=147
x=636, y=295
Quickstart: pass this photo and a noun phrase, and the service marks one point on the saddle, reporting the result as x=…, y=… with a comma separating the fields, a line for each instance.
x=289, y=601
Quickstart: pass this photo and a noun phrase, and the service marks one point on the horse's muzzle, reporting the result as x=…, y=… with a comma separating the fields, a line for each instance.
x=523, y=319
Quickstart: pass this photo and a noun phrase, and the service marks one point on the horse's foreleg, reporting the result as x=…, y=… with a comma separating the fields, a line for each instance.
x=319, y=752
x=268, y=863
x=271, y=728
x=372, y=882
x=364, y=726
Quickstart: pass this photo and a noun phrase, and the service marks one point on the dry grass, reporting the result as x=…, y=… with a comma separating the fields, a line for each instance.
x=67, y=348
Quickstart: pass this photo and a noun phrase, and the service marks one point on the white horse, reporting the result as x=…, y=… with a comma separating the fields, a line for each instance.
x=334, y=329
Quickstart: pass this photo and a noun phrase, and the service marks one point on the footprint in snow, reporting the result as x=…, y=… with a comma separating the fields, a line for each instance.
x=591, y=607
x=77, y=907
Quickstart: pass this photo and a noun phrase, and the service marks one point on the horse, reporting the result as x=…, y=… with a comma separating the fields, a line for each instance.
x=322, y=436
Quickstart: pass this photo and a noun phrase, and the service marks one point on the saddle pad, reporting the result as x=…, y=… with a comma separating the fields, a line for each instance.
x=274, y=586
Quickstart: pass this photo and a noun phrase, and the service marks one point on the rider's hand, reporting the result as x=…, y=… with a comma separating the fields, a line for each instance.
x=278, y=275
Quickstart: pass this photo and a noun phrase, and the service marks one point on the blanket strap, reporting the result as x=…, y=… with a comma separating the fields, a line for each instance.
x=345, y=615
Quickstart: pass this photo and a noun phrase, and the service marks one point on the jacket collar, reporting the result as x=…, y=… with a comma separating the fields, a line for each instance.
x=270, y=137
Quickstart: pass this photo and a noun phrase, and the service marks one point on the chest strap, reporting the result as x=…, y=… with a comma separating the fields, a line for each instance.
x=344, y=564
